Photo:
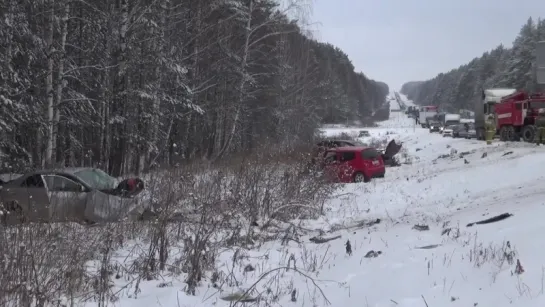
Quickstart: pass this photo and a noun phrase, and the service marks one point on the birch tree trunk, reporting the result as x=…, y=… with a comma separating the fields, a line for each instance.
x=154, y=129
x=106, y=135
x=243, y=80
x=120, y=159
x=49, y=87
x=60, y=78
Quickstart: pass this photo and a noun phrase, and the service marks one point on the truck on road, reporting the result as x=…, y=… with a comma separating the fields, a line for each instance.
x=485, y=107
x=425, y=112
x=516, y=116
x=451, y=119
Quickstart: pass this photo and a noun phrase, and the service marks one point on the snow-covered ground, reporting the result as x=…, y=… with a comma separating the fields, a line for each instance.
x=450, y=183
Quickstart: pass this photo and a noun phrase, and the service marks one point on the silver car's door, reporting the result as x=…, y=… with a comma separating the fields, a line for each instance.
x=102, y=207
x=29, y=196
x=66, y=198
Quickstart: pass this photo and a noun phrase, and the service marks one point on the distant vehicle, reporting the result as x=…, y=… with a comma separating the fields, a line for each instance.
x=461, y=128
x=451, y=119
x=412, y=111
x=447, y=119
x=424, y=112
x=85, y=195
x=448, y=130
x=364, y=133
x=466, y=131
x=516, y=115
x=431, y=119
x=434, y=126
x=354, y=164
x=485, y=107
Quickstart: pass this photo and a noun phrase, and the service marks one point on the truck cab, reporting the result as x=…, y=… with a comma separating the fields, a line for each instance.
x=516, y=115
x=424, y=112
x=486, y=106
x=450, y=120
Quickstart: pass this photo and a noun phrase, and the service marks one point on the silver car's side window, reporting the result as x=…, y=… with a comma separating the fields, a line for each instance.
x=61, y=184
x=34, y=181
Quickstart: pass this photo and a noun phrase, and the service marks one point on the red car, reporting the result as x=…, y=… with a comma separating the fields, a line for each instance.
x=354, y=164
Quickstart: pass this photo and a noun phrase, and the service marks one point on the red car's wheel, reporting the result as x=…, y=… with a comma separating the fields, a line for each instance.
x=360, y=177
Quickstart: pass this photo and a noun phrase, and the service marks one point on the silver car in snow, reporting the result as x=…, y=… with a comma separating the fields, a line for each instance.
x=86, y=195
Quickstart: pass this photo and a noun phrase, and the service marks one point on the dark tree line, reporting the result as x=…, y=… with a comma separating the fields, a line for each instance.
x=127, y=85
x=501, y=67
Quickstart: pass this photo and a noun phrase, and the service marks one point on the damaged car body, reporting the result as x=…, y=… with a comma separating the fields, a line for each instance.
x=322, y=148
x=86, y=195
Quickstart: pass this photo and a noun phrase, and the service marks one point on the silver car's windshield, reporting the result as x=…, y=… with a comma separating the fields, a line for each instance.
x=97, y=179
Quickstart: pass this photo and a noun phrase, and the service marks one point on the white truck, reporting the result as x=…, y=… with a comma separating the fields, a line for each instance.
x=425, y=112
x=485, y=106
x=451, y=119
x=446, y=119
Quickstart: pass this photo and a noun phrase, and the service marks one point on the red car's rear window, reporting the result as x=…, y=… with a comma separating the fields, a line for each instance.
x=370, y=153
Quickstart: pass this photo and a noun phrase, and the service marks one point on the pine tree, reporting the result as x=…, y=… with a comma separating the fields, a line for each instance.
x=500, y=67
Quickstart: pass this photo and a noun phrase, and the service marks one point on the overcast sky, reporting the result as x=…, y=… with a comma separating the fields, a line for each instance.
x=396, y=41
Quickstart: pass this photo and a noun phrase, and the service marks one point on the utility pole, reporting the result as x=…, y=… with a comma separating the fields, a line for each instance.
x=540, y=77
x=540, y=63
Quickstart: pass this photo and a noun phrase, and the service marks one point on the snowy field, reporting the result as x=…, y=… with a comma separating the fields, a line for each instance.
x=449, y=183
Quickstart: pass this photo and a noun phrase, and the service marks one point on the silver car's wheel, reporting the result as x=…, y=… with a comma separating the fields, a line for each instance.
x=359, y=177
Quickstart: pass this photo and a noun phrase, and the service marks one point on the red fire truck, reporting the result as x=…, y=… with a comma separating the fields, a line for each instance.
x=516, y=114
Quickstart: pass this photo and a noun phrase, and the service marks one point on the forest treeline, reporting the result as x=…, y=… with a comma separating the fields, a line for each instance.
x=460, y=88
x=128, y=85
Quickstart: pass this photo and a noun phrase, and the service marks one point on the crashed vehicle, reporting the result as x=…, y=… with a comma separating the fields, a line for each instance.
x=364, y=134
x=86, y=195
x=337, y=143
x=353, y=164
x=321, y=148
x=391, y=150
x=321, y=151
x=434, y=126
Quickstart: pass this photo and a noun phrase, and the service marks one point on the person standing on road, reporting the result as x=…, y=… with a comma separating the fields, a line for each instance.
x=490, y=126
x=540, y=125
